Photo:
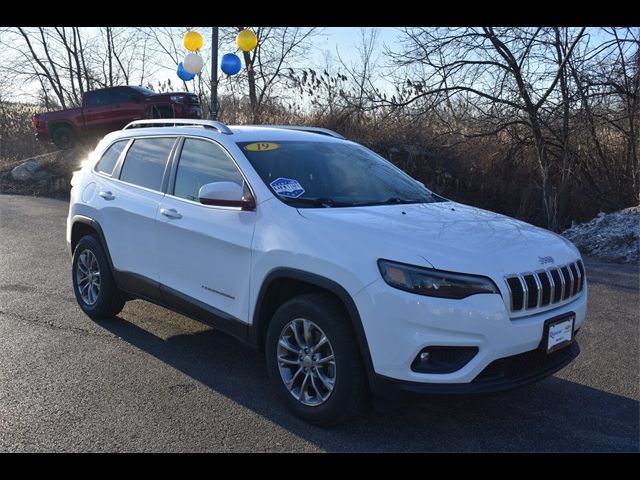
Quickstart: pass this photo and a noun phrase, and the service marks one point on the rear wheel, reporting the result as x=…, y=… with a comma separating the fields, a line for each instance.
x=63, y=137
x=313, y=360
x=93, y=283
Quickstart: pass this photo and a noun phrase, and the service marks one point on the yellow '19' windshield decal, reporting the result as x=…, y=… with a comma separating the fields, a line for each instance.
x=261, y=147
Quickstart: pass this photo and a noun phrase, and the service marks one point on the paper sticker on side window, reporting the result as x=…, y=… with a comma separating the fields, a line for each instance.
x=287, y=187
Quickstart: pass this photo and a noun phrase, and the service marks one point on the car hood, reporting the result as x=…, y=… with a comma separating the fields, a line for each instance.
x=447, y=235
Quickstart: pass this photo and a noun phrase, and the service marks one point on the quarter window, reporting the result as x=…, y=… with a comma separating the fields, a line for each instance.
x=145, y=162
x=107, y=163
x=203, y=162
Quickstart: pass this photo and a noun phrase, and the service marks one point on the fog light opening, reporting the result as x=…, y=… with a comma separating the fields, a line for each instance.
x=442, y=359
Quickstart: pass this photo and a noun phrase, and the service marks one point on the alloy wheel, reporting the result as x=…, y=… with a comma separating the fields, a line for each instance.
x=88, y=277
x=306, y=362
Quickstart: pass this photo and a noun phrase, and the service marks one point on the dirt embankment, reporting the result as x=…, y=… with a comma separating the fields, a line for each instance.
x=47, y=175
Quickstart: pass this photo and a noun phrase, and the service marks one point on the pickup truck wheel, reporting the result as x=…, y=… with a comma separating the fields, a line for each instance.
x=93, y=284
x=63, y=137
x=313, y=360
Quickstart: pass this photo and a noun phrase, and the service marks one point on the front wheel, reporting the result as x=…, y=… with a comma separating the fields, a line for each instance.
x=93, y=284
x=313, y=360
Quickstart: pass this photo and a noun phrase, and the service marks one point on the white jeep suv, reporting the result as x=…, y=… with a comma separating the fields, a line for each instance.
x=349, y=274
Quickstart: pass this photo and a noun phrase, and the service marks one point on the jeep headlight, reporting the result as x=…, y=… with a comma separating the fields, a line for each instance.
x=434, y=283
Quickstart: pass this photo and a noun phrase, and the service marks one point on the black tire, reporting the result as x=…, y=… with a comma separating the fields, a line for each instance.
x=350, y=391
x=109, y=302
x=64, y=137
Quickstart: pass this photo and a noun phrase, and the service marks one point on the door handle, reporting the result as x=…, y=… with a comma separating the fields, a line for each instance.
x=170, y=212
x=107, y=195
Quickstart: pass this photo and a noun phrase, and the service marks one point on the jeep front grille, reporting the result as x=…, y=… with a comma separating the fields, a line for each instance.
x=531, y=290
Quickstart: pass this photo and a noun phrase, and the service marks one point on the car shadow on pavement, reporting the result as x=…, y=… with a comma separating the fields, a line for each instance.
x=552, y=415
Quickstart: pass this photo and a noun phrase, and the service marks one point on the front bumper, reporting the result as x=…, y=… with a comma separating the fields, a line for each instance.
x=503, y=374
x=398, y=325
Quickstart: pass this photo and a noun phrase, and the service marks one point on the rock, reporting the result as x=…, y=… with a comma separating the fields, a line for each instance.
x=58, y=185
x=26, y=171
x=41, y=175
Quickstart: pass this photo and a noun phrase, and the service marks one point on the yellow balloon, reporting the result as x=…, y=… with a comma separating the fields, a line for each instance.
x=246, y=40
x=193, y=41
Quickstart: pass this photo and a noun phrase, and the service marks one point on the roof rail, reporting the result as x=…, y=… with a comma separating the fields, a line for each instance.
x=304, y=128
x=172, y=122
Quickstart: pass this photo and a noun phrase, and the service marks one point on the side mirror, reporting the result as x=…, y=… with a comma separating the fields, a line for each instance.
x=226, y=194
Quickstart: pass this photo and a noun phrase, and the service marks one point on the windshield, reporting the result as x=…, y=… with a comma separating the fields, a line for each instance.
x=332, y=174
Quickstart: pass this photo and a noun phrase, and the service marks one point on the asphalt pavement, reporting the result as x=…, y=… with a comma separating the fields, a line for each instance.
x=153, y=380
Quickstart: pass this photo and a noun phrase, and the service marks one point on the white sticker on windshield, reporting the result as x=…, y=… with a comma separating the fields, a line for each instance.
x=287, y=187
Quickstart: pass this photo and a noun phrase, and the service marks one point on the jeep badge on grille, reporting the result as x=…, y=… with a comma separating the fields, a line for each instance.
x=544, y=260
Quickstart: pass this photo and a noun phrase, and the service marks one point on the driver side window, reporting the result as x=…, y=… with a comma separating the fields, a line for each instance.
x=203, y=162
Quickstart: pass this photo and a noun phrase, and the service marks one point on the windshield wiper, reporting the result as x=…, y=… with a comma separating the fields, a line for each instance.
x=399, y=200
x=392, y=201
x=315, y=202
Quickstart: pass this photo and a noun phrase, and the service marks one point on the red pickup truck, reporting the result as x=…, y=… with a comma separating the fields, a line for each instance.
x=109, y=109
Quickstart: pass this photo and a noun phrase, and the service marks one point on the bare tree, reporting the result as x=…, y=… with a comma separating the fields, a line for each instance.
x=39, y=61
x=267, y=65
x=124, y=53
x=507, y=76
x=361, y=72
x=606, y=77
x=70, y=60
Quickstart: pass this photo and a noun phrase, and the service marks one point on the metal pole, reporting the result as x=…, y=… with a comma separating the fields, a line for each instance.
x=214, y=73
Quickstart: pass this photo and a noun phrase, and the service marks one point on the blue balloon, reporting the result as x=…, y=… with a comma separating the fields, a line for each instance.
x=183, y=74
x=230, y=64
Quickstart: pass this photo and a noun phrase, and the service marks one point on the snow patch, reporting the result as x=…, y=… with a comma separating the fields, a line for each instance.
x=613, y=237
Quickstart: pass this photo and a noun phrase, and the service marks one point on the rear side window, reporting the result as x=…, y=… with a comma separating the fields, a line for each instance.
x=121, y=95
x=109, y=158
x=99, y=98
x=145, y=162
x=203, y=162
